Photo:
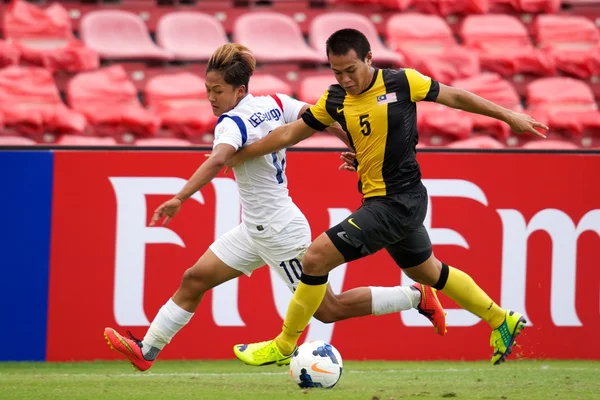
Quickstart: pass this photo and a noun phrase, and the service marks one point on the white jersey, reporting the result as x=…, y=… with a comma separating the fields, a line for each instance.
x=261, y=182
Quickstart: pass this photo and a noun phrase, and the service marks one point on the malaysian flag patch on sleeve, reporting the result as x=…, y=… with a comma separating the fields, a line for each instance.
x=386, y=98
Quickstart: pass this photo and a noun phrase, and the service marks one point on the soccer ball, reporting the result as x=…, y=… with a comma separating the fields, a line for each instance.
x=316, y=364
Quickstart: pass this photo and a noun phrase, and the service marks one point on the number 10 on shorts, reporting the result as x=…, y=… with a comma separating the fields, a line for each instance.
x=293, y=267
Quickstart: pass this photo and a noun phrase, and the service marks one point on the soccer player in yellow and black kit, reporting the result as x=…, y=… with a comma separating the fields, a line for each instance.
x=377, y=109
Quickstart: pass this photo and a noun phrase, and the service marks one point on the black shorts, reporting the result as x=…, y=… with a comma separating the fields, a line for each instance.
x=393, y=222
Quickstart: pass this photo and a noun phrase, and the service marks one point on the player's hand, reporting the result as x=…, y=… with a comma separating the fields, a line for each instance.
x=523, y=123
x=168, y=210
x=348, y=158
x=234, y=161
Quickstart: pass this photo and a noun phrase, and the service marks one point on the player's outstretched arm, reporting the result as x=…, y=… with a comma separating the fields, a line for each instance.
x=467, y=101
x=335, y=129
x=207, y=171
x=203, y=175
x=280, y=138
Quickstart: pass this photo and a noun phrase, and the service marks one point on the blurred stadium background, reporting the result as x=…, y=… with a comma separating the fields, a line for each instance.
x=103, y=115
x=63, y=61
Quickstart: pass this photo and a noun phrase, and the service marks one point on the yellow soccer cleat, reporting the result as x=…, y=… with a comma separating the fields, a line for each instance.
x=503, y=337
x=262, y=353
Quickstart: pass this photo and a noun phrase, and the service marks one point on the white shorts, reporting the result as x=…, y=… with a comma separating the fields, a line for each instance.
x=282, y=251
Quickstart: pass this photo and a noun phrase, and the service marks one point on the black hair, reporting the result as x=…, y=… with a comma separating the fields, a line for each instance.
x=344, y=40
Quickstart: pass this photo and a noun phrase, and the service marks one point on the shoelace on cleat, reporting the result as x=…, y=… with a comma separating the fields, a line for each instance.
x=136, y=340
x=426, y=313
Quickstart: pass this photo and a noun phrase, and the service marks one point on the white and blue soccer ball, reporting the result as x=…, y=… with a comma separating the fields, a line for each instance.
x=316, y=364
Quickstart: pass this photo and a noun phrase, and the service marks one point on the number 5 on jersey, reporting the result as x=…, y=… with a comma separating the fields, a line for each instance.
x=365, y=125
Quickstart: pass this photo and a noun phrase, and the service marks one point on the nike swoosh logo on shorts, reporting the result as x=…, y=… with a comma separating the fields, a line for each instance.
x=351, y=222
x=342, y=235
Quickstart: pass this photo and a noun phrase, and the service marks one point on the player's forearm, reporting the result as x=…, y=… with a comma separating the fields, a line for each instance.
x=203, y=175
x=472, y=103
x=279, y=138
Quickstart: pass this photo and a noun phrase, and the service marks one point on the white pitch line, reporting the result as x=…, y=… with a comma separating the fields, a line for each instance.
x=226, y=374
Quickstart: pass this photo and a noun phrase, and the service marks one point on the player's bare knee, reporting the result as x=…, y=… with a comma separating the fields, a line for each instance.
x=427, y=273
x=321, y=257
x=312, y=263
x=194, y=280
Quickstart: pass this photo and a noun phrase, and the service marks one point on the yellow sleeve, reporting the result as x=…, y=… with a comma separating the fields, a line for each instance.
x=421, y=87
x=317, y=116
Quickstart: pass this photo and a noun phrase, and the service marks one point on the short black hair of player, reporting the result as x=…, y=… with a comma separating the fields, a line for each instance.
x=344, y=40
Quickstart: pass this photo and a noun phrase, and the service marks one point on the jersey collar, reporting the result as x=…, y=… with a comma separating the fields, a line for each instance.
x=245, y=100
x=375, y=72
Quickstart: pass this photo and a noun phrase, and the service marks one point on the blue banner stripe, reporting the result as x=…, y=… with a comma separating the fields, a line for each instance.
x=26, y=198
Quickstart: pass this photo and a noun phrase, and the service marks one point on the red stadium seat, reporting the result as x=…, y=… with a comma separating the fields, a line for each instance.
x=190, y=35
x=503, y=45
x=312, y=87
x=561, y=90
x=180, y=102
x=327, y=23
x=439, y=125
x=23, y=19
x=427, y=44
x=573, y=41
x=44, y=37
x=549, y=144
x=109, y=101
x=398, y=5
x=15, y=141
x=118, y=34
x=9, y=54
x=75, y=140
x=264, y=84
x=477, y=142
x=192, y=122
x=360, y=2
x=274, y=37
x=566, y=104
x=530, y=6
x=182, y=88
x=447, y=7
x=31, y=104
x=162, y=142
x=492, y=87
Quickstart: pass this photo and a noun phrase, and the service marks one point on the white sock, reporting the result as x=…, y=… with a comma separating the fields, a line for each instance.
x=169, y=320
x=386, y=300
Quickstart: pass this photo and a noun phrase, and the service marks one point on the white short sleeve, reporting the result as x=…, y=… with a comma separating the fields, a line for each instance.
x=230, y=130
x=291, y=107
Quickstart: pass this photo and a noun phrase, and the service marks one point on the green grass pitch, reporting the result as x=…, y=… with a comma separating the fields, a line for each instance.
x=372, y=380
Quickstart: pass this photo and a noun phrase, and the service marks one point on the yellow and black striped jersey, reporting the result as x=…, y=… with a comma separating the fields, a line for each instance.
x=381, y=124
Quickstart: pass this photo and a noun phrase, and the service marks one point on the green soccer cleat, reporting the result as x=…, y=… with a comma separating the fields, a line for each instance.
x=262, y=353
x=503, y=337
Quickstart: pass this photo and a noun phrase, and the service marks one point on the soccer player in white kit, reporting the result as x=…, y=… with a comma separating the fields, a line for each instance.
x=273, y=230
